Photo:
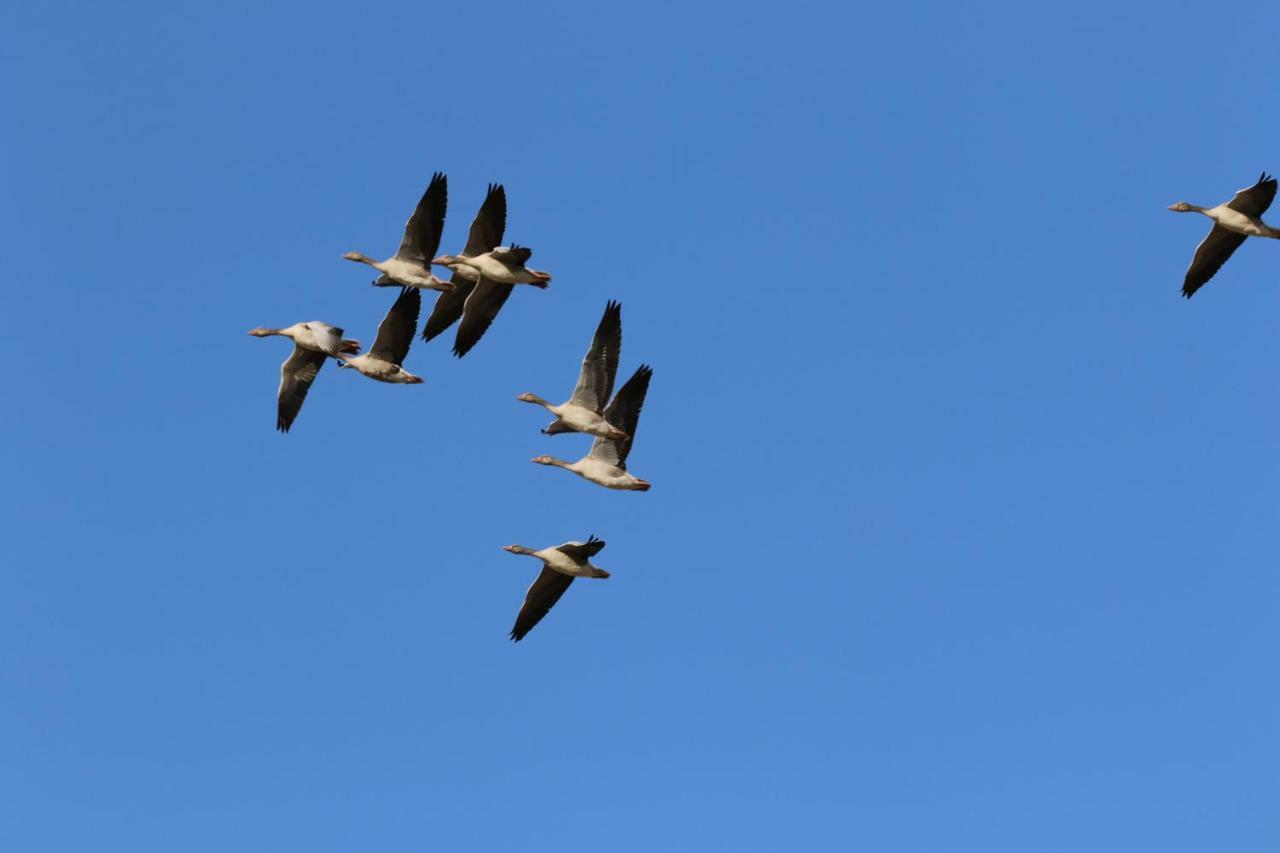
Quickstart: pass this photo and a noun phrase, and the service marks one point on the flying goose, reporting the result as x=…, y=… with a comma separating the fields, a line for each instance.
x=501, y=269
x=606, y=464
x=560, y=565
x=486, y=232
x=504, y=264
x=410, y=266
x=582, y=412
x=313, y=342
x=1233, y=221
x=395, y=333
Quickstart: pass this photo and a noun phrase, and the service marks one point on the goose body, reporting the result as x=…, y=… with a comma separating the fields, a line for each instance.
x=410, y=265
x=560, y=565
x=1233, y=222
x=504, y=265
x=606, y=464
x=583, y=412
x=313, y=343
x=384, y=359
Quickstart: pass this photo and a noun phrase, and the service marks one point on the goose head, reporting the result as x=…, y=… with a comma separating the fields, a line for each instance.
x=548, y=460
x=358, y=257
x=450, y=261
x=527, y=397
x=262, y=332
x=516, y=549
x=1182, y=207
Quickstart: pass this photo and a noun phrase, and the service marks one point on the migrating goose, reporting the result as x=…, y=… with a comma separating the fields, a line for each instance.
x=1233, y=221
x=486, y=232
x=606, y=464
x=500, y=270
x=313, y=342
x=409, y=266
x=560, y=565
x=582, y=412
x=504, y=264
x=395, y=333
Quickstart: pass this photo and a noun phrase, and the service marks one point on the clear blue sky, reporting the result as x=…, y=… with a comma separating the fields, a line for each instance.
x=963, y=527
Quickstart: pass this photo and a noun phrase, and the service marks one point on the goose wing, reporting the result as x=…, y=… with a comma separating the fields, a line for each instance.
x=1211, y=254
x=600, y=366
x=484, y=303
x=422, y=231
x=542, y=596
x=486, y=232
x=1254, y=200
x=624, y=413
x=580, y=552
x=296, y=375
x=512, y=256
x=489, y=224
x=395, y=332
x=328, y=338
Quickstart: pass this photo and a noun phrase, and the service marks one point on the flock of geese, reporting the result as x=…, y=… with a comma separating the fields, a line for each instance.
x=483, y=276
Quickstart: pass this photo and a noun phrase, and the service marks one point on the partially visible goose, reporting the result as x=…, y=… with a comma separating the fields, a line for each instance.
x=486, y=232
x=313, y=342
x=395, y=333
x=606, y=464
x=1233, y=221
x=582, y=412
x=560, y=565
x=410, y=266
x=506, y=263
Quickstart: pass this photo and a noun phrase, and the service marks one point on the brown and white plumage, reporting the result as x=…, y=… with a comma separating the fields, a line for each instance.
x=313, y=342
x=584, y=411
x=486, y=232
x=560, y=565
x=410, y=266
x=606, y=464
x=384, y=360
x=1233, y=222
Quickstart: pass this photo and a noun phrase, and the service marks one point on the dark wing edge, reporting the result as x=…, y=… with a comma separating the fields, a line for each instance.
x=624, y=412
x=490, y=222
x=448, y=307
x=543, y=594
x=600, y=365
x=1254, y=200
x=584, y=550
x=1211, y=254
x=297, y=374
x=422, y=231
x=481, y=308
x=395, y=332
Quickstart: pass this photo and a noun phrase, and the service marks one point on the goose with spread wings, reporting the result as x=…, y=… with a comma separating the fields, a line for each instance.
x=500, y=270
x=313, y=343
x=1233, y=221
x=584, y=411
x=385, y=358
x=410, y=266
x=486, y=232
x=606, y=464
x=560, y=565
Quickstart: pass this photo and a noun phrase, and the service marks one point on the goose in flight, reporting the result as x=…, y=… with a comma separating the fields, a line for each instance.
x=606, y=464
x=560, y=565
x=313, y=342
x=486, y=232
x=504, y=264
x=1233, y=221
x=409, y=266
x=395, y=333
x=583, y=411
